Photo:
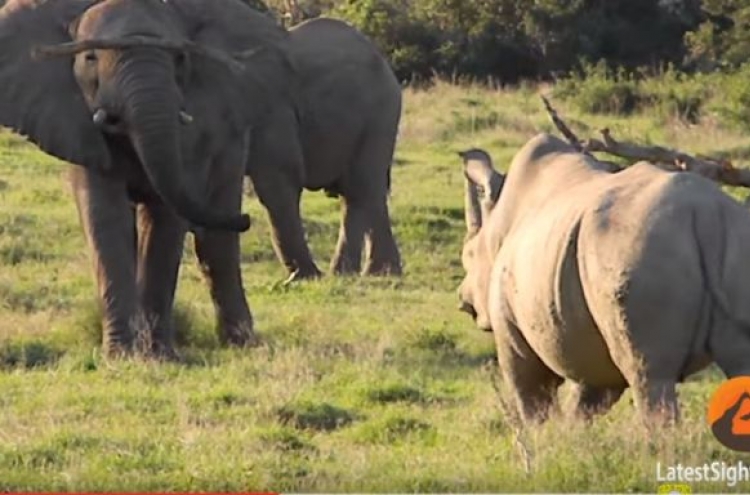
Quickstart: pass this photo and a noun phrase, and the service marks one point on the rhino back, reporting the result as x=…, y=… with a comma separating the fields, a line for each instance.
x=605, y=269
x=642, y=268
x=543, y=289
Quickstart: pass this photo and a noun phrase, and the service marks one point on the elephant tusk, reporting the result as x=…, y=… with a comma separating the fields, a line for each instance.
x=100, y=116
x=186, y=118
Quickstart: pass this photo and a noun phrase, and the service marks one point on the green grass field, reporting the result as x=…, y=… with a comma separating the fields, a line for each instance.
x=361, y=385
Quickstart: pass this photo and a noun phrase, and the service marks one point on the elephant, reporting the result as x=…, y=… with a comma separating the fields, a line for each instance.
x=604, y=280
x=146, y=101
x=337, y=134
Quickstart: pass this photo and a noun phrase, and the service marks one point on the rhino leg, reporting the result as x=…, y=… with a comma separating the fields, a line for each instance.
x=588, y=401
x=730, y=348
x=656, y=400
x=533, y=385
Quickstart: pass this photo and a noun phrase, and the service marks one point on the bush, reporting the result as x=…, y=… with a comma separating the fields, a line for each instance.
x=509, y=41
x=672, y=94
x=678, y=95
x=598, y=90
x=732, y=104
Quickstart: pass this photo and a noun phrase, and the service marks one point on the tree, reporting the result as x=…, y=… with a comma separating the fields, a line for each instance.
x=723, y=40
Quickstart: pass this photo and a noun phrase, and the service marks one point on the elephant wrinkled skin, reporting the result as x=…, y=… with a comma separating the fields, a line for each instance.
x=338, y=133
x=142, y=97
x=638, y=278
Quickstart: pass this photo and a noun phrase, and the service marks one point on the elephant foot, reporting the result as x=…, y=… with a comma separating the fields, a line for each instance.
x=383, y=270
x=300, y=275
x=345, y=268
x=239, y=335
x=117, y=345
x=113, y=350
x=164, y=352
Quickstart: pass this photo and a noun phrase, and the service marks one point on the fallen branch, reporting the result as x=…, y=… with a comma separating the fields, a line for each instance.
x=563, y=128
x=718, y=170
x=574, y=141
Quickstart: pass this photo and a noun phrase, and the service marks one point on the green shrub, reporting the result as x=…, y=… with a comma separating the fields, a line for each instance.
x=599, y=90
x=732, y=101
x=678, y=95
x=670, y=93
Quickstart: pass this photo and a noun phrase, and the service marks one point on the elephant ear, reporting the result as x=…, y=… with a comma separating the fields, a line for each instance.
x=40, y=97
x=254, y=39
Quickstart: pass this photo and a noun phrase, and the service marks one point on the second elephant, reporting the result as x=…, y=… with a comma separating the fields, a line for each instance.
x=337, y=133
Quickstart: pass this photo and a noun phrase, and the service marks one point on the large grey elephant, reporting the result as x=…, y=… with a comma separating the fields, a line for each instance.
x=638, y=278
x=338, y=134
x=148, y=101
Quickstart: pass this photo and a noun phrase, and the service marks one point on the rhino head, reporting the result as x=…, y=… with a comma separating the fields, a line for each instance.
x=483, y=185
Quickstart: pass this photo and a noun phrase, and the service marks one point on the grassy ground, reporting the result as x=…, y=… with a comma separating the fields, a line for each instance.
x=362, y=385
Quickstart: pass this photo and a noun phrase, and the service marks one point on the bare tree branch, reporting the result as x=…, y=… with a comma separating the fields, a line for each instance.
x=563, y=128
x=718, y=170
x=572, y=138
x=715, y=169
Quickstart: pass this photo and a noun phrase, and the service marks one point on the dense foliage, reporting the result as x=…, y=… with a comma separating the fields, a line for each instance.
x=507, y=40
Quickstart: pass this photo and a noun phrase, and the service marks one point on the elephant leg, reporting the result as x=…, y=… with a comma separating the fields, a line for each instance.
x=282, y=202
x=160, y=245
x=348, y=256
x=533, y=385
x=381, y=252
x=276, y=166
x=367, y=186
x=589, y=401
x=108, y=222
x=218, y=253
x=219, y=256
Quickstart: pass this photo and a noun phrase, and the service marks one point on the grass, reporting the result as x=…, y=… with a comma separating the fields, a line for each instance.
x=361, y=384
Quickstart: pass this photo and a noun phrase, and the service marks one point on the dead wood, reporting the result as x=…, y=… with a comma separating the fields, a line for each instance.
x=716, y=169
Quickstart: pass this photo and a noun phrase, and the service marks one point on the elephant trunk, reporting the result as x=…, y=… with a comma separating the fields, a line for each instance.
x=152, y=110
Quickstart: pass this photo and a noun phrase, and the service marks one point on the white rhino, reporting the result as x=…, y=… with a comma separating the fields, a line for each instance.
x=638, y=278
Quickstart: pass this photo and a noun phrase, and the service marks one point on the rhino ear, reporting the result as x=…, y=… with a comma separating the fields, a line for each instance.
x=481, y=173
x=40, y=97
x=483, y=187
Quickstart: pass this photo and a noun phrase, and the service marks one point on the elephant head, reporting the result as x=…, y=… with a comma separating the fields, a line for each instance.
x=483, y=185
x=77, y=73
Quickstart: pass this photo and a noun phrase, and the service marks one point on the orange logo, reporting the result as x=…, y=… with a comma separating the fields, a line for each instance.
x=729, y=414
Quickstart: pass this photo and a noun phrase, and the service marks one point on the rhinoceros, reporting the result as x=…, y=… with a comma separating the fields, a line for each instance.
x=607, y=280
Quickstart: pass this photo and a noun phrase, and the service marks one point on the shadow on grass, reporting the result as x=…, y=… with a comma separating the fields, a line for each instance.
x=441, y=346
x=315, y=416
x=395, y=393
x=28, y=355
x=195, y=337
x=287, y=440
x=393, y=429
